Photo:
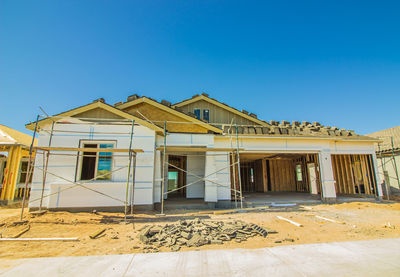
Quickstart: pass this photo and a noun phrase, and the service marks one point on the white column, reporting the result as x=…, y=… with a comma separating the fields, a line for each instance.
x=222, y=162
x=157, y=177
x=327, y=179
x=211, y=190
x=377, y=177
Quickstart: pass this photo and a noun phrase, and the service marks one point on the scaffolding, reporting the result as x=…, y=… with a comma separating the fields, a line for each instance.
x=232, y=154
x=387, y=155
x=48, y=150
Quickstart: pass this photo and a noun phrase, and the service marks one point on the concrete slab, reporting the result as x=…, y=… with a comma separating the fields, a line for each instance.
x=358, y=258
x=112, y=265
x=238, y=262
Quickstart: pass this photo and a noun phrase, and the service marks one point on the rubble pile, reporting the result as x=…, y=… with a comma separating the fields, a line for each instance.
x=197, y=232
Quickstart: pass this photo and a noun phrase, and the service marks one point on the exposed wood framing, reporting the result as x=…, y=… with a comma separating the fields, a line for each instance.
x=282, y=173
x=157, y=112
x=354, y=174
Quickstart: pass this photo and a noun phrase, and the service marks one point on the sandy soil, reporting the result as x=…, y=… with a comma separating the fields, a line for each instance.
x=358, y=221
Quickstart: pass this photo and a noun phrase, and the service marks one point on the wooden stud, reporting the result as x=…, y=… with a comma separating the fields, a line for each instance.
x=343, y=174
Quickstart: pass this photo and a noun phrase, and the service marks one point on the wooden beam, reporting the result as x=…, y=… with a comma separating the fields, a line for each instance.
x=265, y=175
x=343, y=174
x=372, y=170
x=37, y=239
x=365, y=175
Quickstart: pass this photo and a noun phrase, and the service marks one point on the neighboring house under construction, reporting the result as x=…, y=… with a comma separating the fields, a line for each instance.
x=388, y=155
x=142, y=152
x=14, y=154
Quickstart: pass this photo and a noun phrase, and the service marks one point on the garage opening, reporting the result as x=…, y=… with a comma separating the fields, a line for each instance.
x=278, y=173
x=354, y=174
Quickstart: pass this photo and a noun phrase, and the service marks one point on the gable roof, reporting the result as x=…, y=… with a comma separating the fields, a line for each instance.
x=96, y=104
x=213, y=101
x=171, y=110
x=9, y=136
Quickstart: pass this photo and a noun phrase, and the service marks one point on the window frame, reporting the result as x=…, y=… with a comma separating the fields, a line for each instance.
x=82, y=143
x=23, y=160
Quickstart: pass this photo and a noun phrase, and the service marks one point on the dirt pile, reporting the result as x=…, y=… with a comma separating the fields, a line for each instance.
x=197, y=232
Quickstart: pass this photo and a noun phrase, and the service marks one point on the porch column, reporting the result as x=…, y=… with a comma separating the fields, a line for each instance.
x=157, y=176
x=211, y=189
x=327, y=179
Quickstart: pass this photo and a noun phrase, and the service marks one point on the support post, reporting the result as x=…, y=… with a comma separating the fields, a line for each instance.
x=395, y=164
x=163, y=168
x=45, y=163
x=129, y=168
x=29, y=172
x=238, y=163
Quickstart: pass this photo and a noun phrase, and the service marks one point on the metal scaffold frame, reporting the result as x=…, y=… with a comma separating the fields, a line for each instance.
x=388, y=153
x=234, y=161
x=49, y=150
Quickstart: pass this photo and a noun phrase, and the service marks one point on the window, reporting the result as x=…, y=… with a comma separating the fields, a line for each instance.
x=23, y=173
x=197, y=113
x=172, y=180
x=299, y=173
x=97, y=163
x=206, y=115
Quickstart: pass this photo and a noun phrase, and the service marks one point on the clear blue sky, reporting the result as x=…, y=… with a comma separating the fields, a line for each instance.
x=336, y=62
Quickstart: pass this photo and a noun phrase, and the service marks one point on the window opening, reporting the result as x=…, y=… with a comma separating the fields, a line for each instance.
x=96, y=163
x=197, y=113
x=206, y=115
x=299, y=173
x=23, y=173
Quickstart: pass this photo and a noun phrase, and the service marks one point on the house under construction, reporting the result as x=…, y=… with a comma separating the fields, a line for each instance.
x=142, y=153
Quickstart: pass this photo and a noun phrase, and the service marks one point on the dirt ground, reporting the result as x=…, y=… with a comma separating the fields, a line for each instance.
x=355, y=221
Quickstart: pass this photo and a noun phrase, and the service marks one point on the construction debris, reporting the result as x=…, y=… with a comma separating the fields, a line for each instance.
x=97, y=233
x=328, y=219
x=38, y=213
x=39, y=239
x=197, y=232
x=290, y=221
x=26, y=229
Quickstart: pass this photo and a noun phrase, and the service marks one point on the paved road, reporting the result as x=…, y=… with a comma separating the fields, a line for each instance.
x=359, y=258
